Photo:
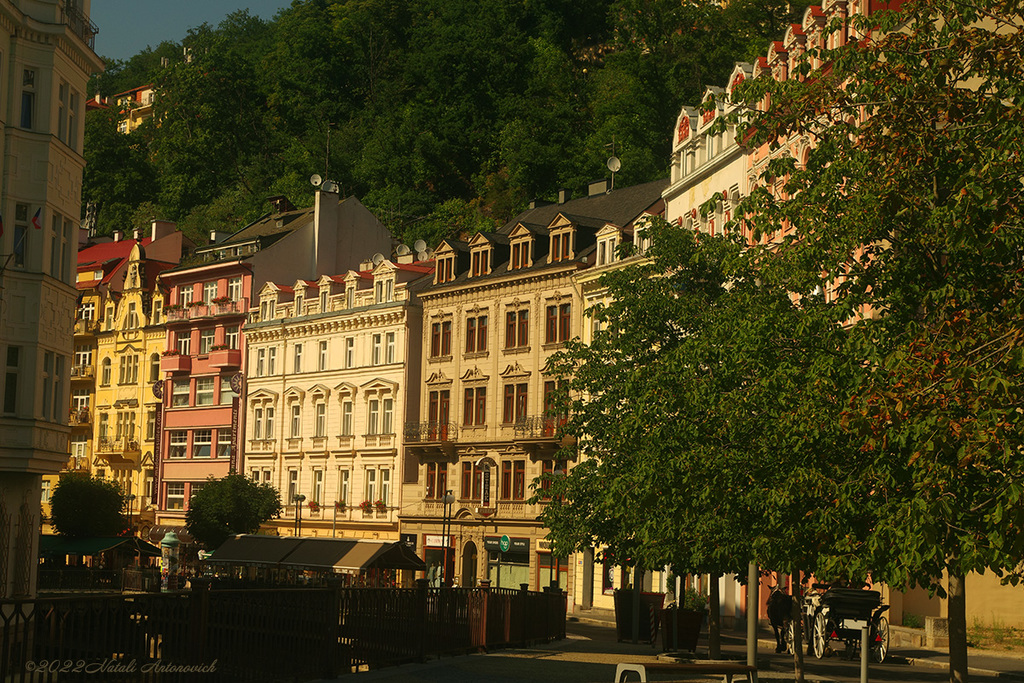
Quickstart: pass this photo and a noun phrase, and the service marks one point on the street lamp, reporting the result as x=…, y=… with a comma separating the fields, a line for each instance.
x=298, y=514
x=446, y=530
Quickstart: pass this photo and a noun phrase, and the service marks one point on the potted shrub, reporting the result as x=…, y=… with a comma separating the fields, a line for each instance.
x=171, y=352
x=222, y=300
x=381, y=506
x=681, y=624
x=314, y=506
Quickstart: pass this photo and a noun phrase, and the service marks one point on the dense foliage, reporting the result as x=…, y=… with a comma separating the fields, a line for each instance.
x=425, y=110
x=229, y=506
x=82, y=507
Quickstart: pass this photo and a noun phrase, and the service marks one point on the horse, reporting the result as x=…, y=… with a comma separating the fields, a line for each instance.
x=780, y=605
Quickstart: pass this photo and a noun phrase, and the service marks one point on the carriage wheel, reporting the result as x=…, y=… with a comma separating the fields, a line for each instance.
x=880, y=646
x=820, y=636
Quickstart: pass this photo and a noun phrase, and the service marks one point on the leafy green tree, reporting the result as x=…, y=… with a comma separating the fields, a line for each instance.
x=908, y=211
x=229, y=506
x=119, y=175
x=81, y=507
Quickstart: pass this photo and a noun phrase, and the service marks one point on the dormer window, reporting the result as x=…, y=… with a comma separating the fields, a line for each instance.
x=561, y=246
x=520, y=255
x=481, y=262
x=298, y=304
x=446, y=269
x=606, y=250
x=383, y=291
x=323, y=300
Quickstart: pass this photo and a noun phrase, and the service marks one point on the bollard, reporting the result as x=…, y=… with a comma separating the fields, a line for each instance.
x=864, y=652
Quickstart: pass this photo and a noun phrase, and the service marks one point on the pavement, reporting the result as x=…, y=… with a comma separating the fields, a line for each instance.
x=590, y=653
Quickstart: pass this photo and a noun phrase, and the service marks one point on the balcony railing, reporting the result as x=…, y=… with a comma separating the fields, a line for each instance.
x=176, y=363
x=225, y=358
x=379, y=440
x=81, y=372
x=86, y=326
x=207, y=310
x=80, y=24
x=79, y=416
x=106, y=444
x=428, y=432
x=538, y=427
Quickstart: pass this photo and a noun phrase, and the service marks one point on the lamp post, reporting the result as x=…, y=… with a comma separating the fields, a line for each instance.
x=446, y=529
x=298, y=513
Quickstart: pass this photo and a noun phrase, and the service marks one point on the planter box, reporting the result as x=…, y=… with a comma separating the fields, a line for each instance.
x=176, y=364
x=226, y=358
x=650, y=615
x=680, y=629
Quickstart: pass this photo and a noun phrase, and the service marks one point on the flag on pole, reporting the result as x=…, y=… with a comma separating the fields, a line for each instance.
x=37, y=220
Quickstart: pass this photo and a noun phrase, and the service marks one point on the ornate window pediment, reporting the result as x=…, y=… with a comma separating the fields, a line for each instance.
x=439, y=379
x=474, y=375
x=514, y=370
x=294, y=394
x=379, y=386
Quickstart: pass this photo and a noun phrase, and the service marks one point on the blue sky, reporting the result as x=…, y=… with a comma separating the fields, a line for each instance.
x=129, y=26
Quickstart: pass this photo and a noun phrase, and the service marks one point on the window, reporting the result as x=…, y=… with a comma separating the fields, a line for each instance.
x=441, y=339
x=389, y=347
x=184, y=343
x=154, y=367
x=374, y=418
x=550, y=468
x=343, y=486
x=133, y=316
x=105, y=372
x=322, y=361
x=185, y=295
x=321, y=419
x=377, y=349
x=517, y=329
x=475, y=406
x=520, y=255
x=224, y=443
x=515, y=403
x=261, y=358
x=298, y=359
x=80, y=399
x=370, y=484
x=318, y=486
x=293, y=485
x=513, y=479
x=231, y=337
x=235, y=288
x=298, y=305
x=476, y=334
x=554, y=416
x=79, y=457
x=558, y=323
x=45, y=497
x=205, y=341
x=270, y=422
x=204, y=391
x=384, y=291
x=350, y=297
x=11, y=379
x=150, y=425
x=257, y=423
x=472, y=481
x=271, y=360
x=323, y=301
x=437, y=480
x=445, y=269
x=296, y=425
x=62, y=108
x=438, y=415
x=385, y=485
x=58, y=389
x=350, y=352
x=179, y=393
x=83, y=356
x=176, y=496
x=561, y=246
x=28, y=98
x=202, y=440
x=87, y=311
x=388, y=417
x=209, y=292
x=346, y=418
x=178, y=444
x=104, y=427
x=20, y=234
x=227, y=394
x=125, y=425
x=480, y=262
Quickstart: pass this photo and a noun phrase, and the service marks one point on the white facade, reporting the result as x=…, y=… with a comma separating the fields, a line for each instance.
x=47, y=57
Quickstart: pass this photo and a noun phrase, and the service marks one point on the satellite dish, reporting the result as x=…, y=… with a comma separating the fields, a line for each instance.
x=315, y=180
x=402, y=250
x=419, y=245
x=614, y=164
x=329, y=186
x=421, y=256
x=378, y=258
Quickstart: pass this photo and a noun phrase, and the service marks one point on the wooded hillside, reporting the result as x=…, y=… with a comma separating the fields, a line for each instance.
x=440, y=115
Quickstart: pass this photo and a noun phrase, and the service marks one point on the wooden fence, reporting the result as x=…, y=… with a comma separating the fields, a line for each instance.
x=262, y=634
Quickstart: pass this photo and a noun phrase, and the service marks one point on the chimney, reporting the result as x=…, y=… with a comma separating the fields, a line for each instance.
x=218, y=236
x=118, y=235
x=280, y=203
x=537, y=203
x=597, y=187
x=137, y=234
x=563, y=195
x=161, y=229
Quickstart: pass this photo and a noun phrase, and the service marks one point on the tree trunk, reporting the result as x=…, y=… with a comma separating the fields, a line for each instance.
x=796, y=615
x=957, y=618
x=714, y=619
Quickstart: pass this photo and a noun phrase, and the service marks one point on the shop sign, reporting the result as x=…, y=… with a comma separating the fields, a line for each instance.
x=437, y=541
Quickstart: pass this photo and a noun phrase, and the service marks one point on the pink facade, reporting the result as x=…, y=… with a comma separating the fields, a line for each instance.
x=202, y=423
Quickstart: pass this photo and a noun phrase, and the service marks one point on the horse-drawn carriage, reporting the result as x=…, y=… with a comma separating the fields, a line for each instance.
x=838, y=613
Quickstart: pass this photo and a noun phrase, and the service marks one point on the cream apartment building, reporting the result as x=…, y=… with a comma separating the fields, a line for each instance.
x=501, y=304
x=330, y=367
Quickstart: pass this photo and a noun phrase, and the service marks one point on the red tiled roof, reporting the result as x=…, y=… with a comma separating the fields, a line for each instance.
x=87, y=284
x=103, y=252
x=416, y=267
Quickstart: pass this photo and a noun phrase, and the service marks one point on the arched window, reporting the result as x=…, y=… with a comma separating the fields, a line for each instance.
x=105, y=372
x=154, y=367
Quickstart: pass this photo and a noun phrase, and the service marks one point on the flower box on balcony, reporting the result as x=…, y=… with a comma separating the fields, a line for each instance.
x=225, y=358
x=221, y=300
x=176, y=363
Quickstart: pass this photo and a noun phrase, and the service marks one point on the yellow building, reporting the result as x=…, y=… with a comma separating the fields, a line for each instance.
x=134, y=107
x=501, y=305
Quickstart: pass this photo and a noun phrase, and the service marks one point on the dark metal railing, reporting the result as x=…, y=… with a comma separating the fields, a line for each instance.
x=79, y=579
x=538, y=427
x=80, y=24
x=267, y=634
x=428, y=432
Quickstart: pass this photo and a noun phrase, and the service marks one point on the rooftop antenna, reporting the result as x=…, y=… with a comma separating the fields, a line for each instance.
x=613, y=163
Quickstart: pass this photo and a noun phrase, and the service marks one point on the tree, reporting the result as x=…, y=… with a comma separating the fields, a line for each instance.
x=118, y=174
x=908, y=211
x=228, y=506
x=82, y=506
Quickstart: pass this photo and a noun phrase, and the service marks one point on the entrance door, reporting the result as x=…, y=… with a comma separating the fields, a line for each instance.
x=469, y=565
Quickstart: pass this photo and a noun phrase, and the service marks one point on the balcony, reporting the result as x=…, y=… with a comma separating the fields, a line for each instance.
x=430, y=432
x=200, y=309
x=82, y=372
x=79, y=417
x=124, y=444
x=540, y=435
x=80, y=24
x=176, y=363
x=226, y=358
x=86, y=327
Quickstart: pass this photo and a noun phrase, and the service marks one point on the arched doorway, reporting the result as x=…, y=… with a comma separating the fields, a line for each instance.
x=469, y=560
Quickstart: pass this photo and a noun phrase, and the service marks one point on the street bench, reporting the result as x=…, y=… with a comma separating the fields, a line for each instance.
x=727, y=669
